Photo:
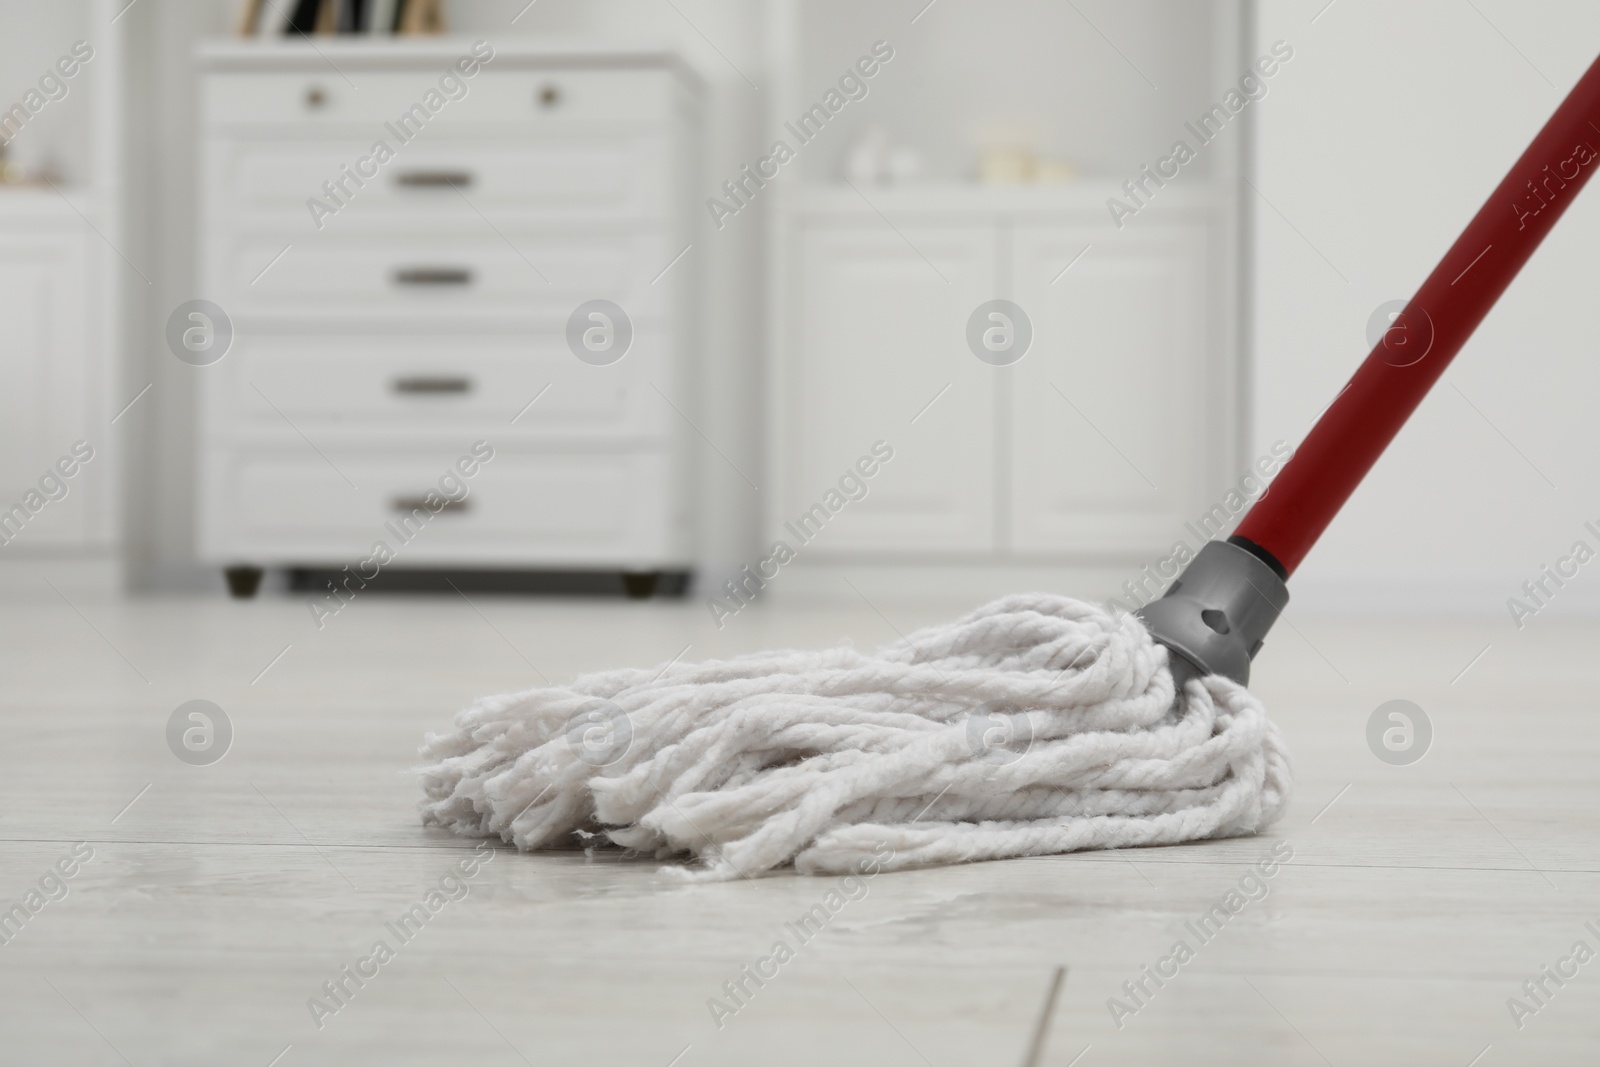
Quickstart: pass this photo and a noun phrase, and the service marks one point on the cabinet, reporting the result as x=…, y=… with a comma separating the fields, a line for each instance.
x=1085, y=446
x=49, y=402
x=65, y=263
x=375, y=342
x=1073, y=465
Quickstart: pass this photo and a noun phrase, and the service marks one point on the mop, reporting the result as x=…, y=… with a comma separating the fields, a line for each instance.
x=1034, y=725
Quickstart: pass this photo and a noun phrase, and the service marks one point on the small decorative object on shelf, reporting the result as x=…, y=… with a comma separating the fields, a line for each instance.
x=1055, y=171
x=294, y=18
x=303, y=16
x=419, y=16
x=1006, y=166
x=250, y=17
x=328, y=16
x=12, y=174
x=380, y=16
x=353, y=16
x=1022, y=166
x=876, y=160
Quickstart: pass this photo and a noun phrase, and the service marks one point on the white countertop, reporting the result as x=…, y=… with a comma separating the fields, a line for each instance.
x=384, y=51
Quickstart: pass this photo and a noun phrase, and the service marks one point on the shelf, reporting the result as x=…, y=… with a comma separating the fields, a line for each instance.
x=1088, y=194
x=42, y=203
x=377, y=52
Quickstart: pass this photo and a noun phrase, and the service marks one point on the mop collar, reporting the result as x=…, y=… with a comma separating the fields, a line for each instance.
x=1034, y=725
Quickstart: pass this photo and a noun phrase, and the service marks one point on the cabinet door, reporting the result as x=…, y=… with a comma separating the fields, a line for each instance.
x=45, y=391
x=879, y=353
x=1109, y=413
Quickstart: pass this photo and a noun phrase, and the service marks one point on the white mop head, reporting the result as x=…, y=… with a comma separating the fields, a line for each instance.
x=1034, y=725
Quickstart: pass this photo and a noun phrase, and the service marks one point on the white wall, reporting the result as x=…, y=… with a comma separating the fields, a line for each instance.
x=161, y=197
x=1379, y=142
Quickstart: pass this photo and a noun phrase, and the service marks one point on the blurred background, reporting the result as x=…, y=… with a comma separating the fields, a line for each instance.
x=587, y=256
x=797, y=321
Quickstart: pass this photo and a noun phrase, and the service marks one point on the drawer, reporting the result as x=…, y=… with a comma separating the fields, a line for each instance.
x=444, y=384
x=521, y=509
x=395, y=105
x=469, y=271
x=444, y=178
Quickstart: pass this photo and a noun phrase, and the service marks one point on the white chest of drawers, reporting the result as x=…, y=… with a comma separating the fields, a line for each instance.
x=426, y=306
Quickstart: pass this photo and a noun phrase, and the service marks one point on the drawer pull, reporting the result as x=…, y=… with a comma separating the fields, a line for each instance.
x=431, y=385
x=434, y=179
x=549, y=95
x=405, y=505
x=433, y=276
x=316, y=96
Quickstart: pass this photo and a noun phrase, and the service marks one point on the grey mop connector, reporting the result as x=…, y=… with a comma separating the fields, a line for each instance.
x=1218, y=611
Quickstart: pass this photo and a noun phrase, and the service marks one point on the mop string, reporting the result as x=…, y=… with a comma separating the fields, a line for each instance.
x=1036, y=724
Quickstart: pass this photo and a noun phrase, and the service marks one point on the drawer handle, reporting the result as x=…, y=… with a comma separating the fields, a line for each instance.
x=434, y=179
x=431, y=385
x=433, y=276
x=549, y=95
x=405, y=505
x=316, y=97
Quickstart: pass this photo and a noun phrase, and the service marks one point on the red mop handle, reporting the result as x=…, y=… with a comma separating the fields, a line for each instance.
x=1350, y=436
